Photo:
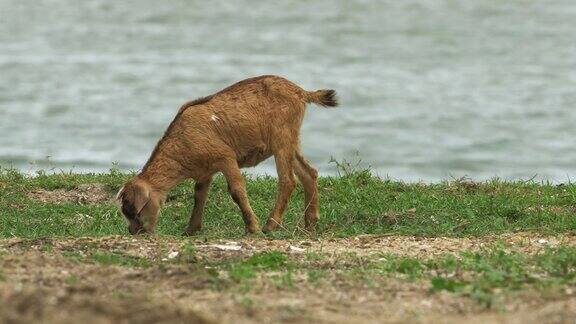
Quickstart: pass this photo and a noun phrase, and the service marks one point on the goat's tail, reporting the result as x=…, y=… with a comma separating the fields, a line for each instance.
x=324, y=98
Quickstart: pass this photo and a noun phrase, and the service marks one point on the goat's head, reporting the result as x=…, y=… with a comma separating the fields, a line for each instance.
x=140, y=205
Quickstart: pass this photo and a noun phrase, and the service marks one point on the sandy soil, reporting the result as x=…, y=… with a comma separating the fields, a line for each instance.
x=40, y=282
x=82, y=194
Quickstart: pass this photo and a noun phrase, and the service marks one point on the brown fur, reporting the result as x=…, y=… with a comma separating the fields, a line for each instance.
x=240, y=126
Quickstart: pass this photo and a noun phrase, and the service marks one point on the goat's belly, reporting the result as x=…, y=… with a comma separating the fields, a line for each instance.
x=253, y=156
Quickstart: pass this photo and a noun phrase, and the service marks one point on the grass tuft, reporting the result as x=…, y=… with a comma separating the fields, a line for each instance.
x=115, y=258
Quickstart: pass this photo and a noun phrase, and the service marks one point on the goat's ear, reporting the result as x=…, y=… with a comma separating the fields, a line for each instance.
x=120, y=193
x=141, y=198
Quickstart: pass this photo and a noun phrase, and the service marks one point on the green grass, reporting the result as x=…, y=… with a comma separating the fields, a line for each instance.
x=264, y=261
x=108, y=258
x=486, y=276
x=116, y=258
x=355, y=203
x=72, y=280
x=405, y=265
x=482, y=275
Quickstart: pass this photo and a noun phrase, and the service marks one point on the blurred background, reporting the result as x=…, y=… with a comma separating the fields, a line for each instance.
x=429, y=89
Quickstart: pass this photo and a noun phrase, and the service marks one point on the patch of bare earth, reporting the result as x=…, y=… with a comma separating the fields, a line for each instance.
x=82, y=194
x=42, y=282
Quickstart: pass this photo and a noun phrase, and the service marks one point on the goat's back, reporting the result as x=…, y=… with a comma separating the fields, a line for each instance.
x=249, y=106
x=246, y=119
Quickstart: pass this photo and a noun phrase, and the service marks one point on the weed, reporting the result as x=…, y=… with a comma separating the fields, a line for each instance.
x=74, y=255
x=315, y=275
x=188, y=254
x=241, y=272
x=405, y=265
x=559, y=262
x=451, y=285
x=271, y=260
x=285, y=280
x=116, y=258
x=72, y=280
x=263, y=261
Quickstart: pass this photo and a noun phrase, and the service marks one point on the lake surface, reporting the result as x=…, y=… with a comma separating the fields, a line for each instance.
x=429, y=89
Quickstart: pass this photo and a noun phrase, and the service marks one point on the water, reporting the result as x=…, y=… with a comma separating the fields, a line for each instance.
x=429, y=89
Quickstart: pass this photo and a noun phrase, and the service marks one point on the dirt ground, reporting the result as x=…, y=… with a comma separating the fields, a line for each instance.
x=82, y=194
x=41, y=282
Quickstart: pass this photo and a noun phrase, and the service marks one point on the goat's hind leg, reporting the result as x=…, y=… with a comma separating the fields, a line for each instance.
x=201, y=189
x=308, y=177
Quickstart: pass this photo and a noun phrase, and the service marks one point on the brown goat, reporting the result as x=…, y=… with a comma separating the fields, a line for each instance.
x=237, y=127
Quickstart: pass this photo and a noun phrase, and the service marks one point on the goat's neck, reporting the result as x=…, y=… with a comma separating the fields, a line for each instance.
x=162, y=174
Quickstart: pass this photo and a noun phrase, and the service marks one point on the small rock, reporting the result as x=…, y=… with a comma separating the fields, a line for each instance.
x=542, y=241
x=172, y=254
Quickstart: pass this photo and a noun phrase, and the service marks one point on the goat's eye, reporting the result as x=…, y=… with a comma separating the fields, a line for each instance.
x=128, y=211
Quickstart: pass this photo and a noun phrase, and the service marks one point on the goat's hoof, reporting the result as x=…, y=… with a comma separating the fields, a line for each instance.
x=191, y=232
x=252, y=230
x=269, y=227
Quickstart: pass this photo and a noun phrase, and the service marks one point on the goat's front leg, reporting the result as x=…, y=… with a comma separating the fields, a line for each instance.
x=286, y=184
x=201, y=189
x=237, y=189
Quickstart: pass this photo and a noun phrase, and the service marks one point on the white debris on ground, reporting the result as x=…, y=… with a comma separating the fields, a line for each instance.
x=171, y=255
x=228, y=246
x=295, y=249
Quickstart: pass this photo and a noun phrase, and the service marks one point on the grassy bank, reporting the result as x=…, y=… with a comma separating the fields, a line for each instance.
x=456, y=249
x=355, y=203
